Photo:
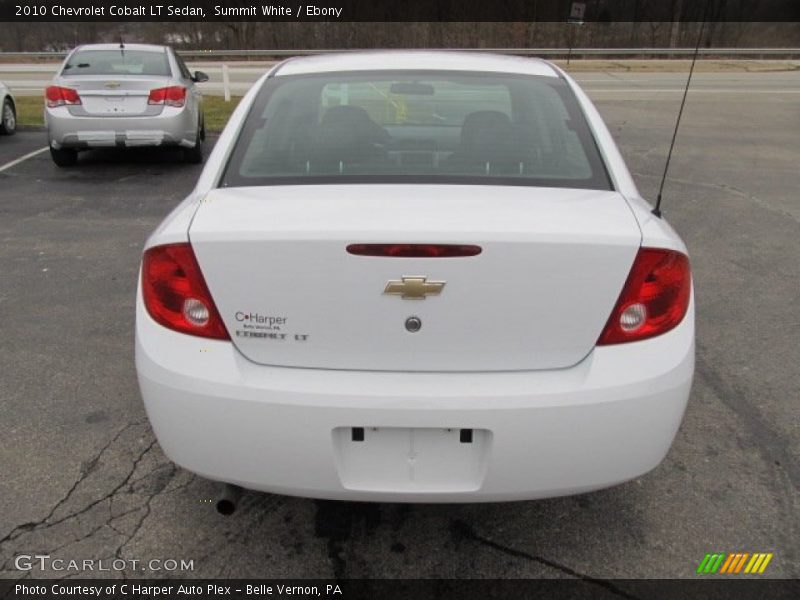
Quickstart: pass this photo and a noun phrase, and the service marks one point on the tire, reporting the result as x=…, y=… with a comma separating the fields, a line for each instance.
x=8, y=118
x=195, y=155
x=64, y=157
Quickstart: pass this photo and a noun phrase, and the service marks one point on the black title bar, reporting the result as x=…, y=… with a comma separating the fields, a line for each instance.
x=129, y=11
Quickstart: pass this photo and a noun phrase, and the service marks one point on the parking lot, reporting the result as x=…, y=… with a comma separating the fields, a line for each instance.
x=84, y=478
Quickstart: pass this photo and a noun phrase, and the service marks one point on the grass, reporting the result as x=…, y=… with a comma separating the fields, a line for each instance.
x=30, y=110
x=218, y=111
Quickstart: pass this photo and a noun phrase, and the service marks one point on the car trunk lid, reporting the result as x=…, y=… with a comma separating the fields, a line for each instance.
x=551, y=266
x=107, y=96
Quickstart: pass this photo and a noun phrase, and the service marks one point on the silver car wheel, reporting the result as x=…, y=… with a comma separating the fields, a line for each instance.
x=9, y=118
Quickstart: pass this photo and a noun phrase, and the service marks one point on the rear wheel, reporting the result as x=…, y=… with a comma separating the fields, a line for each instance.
x=195, y=155
x=64, y=157
x=8, y=118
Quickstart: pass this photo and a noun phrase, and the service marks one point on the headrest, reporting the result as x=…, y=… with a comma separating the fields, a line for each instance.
x=484, y=124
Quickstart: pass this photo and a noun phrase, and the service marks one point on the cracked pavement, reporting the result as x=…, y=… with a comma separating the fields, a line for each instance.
x=83, y=477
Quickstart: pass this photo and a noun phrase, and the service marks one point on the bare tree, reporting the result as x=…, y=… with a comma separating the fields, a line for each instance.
x=675, y=32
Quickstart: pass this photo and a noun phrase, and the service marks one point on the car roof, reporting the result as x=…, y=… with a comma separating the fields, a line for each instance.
x=398, y=60
x=144, y=47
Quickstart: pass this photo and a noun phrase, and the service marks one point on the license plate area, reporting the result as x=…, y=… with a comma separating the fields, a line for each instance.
x=400, y=459
x=114, y=105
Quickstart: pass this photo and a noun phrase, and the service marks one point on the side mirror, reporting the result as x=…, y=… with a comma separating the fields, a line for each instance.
x=199, y=77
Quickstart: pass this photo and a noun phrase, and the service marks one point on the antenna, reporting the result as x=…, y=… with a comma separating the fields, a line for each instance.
x=657, y=210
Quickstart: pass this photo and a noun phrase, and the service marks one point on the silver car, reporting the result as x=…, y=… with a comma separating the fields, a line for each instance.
x=124, y=95
x=8, y=111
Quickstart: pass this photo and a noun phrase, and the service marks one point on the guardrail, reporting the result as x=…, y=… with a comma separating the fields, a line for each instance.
x=788, y=53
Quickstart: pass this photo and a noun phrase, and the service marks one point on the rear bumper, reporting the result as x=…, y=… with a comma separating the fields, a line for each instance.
x=609, y=419
x=173, y=127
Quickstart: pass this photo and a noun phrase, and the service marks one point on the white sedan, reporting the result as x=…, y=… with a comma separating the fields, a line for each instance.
x=415, y=277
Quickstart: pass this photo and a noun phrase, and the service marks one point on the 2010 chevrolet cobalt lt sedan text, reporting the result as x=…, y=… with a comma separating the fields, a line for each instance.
x=417, y=277
x=124, y=95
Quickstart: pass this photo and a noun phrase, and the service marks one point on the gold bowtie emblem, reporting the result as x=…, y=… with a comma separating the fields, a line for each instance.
x=414, y=288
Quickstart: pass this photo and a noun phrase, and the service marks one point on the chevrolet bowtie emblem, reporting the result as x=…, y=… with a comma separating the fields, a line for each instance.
x=112, y=85
x=414, y=288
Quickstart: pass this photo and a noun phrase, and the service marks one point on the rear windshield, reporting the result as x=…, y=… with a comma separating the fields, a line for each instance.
x=416, y=127
x=117, y=62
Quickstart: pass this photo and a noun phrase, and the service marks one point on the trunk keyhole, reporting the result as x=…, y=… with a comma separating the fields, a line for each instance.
x=413, y=324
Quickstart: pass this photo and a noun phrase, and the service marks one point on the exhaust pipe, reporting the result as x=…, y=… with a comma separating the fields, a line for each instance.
x=227, y=503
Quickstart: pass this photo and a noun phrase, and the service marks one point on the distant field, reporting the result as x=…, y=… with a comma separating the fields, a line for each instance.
x=218, y=111
x=30, y=111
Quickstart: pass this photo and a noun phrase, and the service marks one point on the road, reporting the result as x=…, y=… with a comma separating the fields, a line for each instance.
x=780, y=78
x=84, y=478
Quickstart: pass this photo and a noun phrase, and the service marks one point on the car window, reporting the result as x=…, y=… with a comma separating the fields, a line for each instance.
x=442, y=103
x=117, y=62
x=411, y=127
x=185, y=73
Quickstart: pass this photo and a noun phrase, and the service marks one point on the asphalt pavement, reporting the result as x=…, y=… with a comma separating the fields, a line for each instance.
x=83, y=478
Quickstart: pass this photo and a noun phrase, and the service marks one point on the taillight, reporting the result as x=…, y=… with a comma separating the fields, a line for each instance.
x=414, y=250
x=175, y=293
x=654, y=299
x=171, y=96
x=56, y=95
